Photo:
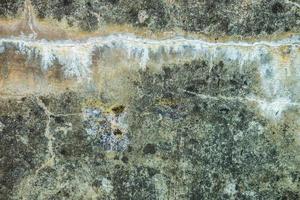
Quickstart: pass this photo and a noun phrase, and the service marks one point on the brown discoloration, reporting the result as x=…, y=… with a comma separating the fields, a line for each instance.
x=29, y=25
x=20, y=76
x=53, y=30
x=19, y=72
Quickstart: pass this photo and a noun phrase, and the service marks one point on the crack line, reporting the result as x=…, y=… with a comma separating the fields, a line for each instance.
x=50, y=161
x=251, y=99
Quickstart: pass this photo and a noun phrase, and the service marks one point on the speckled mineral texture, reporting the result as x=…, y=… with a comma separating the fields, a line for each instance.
x=120, y=116
x=244, y=17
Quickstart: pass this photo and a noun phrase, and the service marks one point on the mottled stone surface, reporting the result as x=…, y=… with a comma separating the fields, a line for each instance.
x=171, y=144
x=246, y=17
x=123, y=117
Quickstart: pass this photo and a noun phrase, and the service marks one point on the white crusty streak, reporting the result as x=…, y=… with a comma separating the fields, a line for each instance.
x=76, y=56
x=277, y=61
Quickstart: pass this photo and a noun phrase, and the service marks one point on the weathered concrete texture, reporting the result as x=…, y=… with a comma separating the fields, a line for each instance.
x=167, y=142
x=217, y=17
x=122, y=117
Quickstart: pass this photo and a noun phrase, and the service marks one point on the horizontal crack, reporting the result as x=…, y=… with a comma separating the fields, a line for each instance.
x=251, y=99
x=51, y=114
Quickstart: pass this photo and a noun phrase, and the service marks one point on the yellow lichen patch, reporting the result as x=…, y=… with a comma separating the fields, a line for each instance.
x=117, y=109
x=167, y=102
x=106, y=107
x=95, y=103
